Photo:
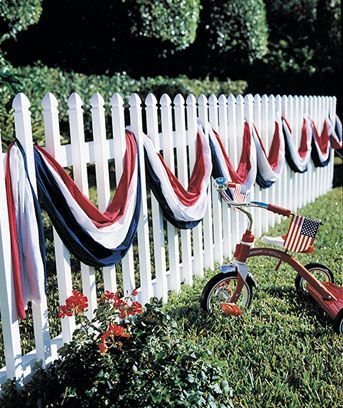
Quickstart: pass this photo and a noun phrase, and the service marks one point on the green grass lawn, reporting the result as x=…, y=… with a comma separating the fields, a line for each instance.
x=283, y=351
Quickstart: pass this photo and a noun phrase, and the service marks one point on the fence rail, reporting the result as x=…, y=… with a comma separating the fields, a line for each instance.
x=176, y=256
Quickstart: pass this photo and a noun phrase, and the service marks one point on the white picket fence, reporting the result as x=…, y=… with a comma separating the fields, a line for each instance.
x=172, y=127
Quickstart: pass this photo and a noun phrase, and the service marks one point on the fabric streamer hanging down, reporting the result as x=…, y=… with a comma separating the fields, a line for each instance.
x=183, y=208
x=95, y=238
x=298, y=157
x=336, y=133
x=321, y=145
x=269, y=168
x=222, y=166
x=26, y=230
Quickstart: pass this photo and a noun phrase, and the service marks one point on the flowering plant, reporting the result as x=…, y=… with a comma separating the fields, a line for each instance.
x=112, y=321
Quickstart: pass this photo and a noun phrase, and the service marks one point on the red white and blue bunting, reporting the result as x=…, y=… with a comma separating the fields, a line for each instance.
x=222, y=165
x=182, y=208
x=269, y=168
x=298, y=157
x=103, y=239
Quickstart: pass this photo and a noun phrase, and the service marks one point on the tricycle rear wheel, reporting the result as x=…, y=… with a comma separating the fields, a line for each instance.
x=319, y=271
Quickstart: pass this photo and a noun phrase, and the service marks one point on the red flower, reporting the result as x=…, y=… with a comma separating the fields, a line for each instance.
x=135, y=308
x=134, y=292
x=75, y=304
x=114, y=298
x=103, y=347
x=118, y=331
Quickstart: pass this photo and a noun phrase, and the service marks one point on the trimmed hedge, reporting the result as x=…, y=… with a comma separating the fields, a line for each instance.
x=174, y=21
x=36, y=81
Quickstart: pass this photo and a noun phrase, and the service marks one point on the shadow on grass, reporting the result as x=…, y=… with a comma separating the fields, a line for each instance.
x=194, y=319
x=338, y=173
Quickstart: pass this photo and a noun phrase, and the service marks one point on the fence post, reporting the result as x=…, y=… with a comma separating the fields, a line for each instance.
x=62, y=255
x=157, y=216
x=208, y=235
x=22, y=121
x=77, y=137
x=9, y=322
x=191, y=108
x=182, y=167
x=143, y=224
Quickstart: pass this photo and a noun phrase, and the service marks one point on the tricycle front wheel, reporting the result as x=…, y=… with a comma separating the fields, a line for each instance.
x=319, y=271
x=221, y=287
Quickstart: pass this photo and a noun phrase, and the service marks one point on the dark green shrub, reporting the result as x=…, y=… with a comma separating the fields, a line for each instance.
x=173, y=21
x=237, y=28
x=17, y=15
x=154, y=367
x=292, y=30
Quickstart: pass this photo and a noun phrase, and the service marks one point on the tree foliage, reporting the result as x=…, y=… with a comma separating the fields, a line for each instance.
x=173, y=21
x=236, y=28
x=17, y=15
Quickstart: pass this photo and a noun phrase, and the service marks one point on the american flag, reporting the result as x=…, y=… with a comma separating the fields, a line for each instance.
x=239, y=193
x=301, y=233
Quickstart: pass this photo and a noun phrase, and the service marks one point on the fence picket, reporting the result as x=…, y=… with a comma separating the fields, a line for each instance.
x=207, y=222
x=143, y=225
x=198, y=258
x=216, y=200
x=62, y=255
x=182, y=170
x=9, y=322
x=168, y=153
x=234, y=156
x=77, y=137
x=249, y=117
x=22, y=122
x=119, y=148
x=258, y=190
x=101, y=155
x=226, y=212
x=271, y=129
x=157, y=216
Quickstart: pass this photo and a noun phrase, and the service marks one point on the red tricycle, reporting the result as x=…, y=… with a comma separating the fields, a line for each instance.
x=231, y=290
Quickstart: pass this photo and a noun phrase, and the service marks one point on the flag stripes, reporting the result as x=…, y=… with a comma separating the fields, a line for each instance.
x=301, y=233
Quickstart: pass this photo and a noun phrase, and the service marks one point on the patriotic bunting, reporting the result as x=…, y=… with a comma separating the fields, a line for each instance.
x=222, y=166
x=298, y=157
x=269, y=167
x=182, y=208
x=336, y=134
x=320, y=145
x=103, y=239
x=26, y=230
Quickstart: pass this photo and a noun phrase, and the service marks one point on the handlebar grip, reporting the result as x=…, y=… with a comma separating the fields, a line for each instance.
x=279, y=210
